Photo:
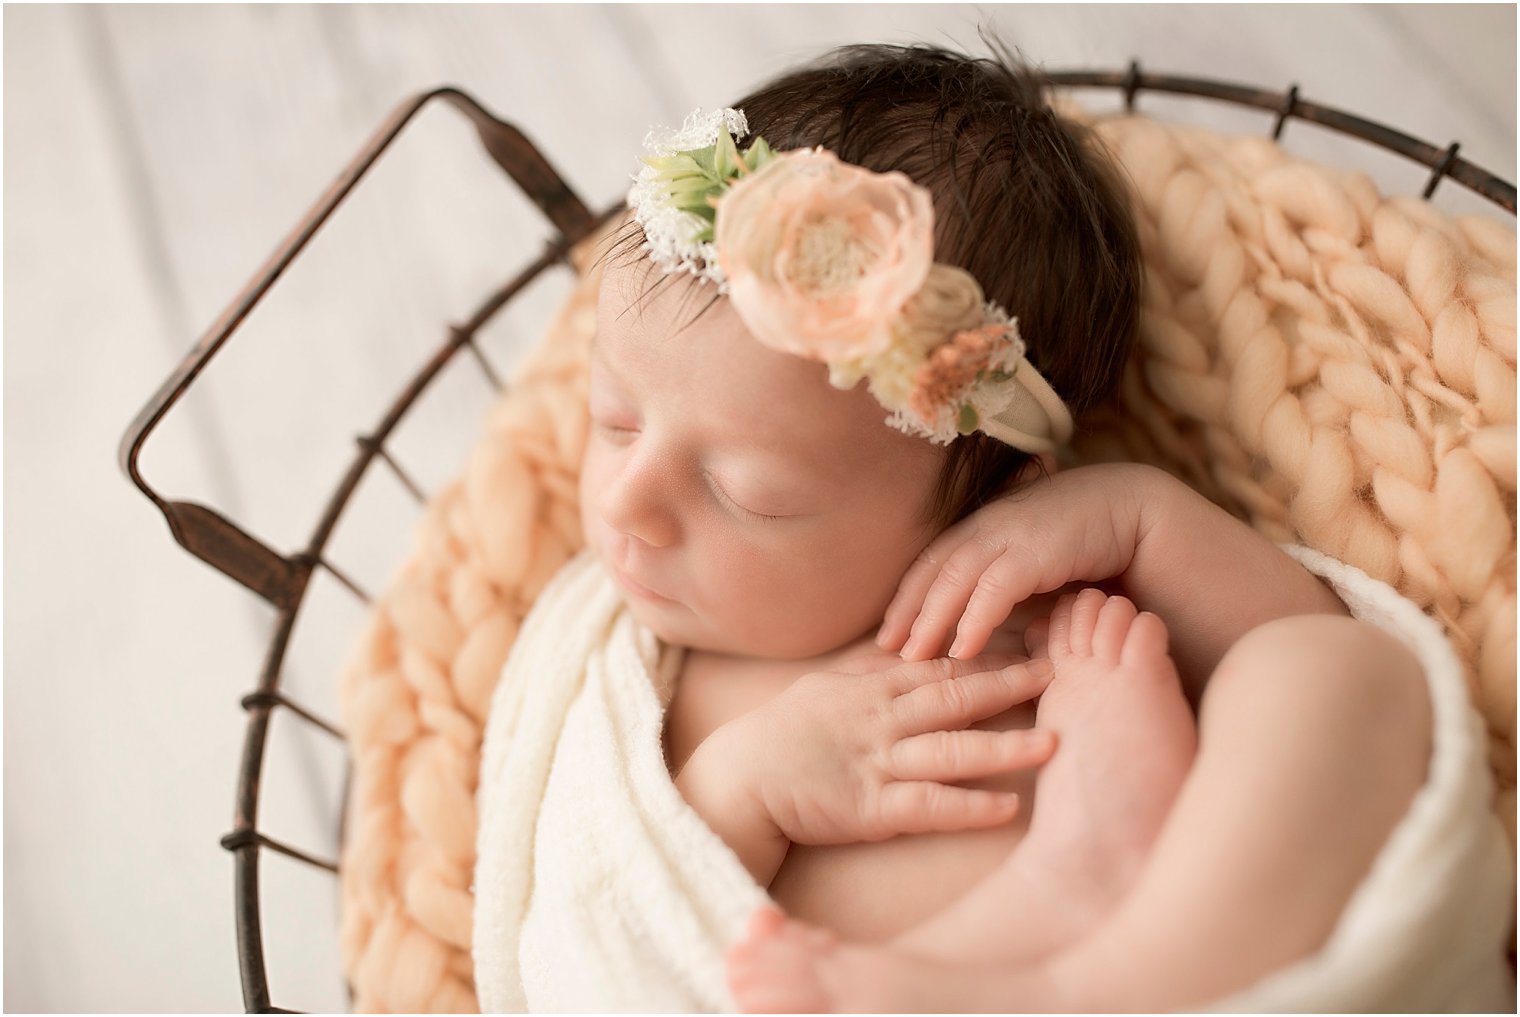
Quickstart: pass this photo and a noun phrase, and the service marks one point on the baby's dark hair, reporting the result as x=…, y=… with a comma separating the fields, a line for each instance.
x=1025, y=200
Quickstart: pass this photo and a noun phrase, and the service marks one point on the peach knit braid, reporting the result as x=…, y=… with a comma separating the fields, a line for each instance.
x=416, y=691
x=1338, y=370
x=1333, y=367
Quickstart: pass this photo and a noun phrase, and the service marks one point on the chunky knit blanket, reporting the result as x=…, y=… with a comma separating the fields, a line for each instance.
x=1334, y=367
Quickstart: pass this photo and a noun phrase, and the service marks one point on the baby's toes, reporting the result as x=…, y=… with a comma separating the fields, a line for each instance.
x=1084, y=620
x=1145, y=644
x=763, y=922
x=776, y=989
x=774, y=970
x=1058, y=633
x=743, y=960
x=803, y=937
x=1037, y=638
x=1115, y=616
x=816, y=937
x=748, y=955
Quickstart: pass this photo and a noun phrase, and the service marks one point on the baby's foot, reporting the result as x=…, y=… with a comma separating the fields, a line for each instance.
x=1127, y=741
x=787, y=966
x=776, y=968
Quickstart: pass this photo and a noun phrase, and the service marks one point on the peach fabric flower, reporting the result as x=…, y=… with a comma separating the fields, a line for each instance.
x=820, y=256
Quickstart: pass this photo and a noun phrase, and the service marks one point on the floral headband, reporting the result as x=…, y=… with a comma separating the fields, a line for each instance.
x=835, y=263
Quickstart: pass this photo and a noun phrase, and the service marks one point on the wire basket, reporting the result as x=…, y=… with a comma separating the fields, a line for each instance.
x=283, y=580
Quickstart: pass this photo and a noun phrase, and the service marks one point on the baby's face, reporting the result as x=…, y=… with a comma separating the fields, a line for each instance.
x=743, y=504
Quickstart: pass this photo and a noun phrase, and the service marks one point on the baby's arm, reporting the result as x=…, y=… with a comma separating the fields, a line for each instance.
x=1176, y=554
x=842, y=757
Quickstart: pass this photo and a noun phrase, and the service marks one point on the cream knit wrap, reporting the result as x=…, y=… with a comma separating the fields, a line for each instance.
x=1334, y=367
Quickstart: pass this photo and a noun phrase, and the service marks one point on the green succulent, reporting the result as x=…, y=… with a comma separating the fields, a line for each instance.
x=969, y=419
x=695, y=179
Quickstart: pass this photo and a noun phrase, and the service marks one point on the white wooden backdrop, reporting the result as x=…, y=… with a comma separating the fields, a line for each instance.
x=155, y=155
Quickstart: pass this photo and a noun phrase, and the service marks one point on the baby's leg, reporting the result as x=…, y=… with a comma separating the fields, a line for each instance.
x=1126, y=741
x=1314, y=735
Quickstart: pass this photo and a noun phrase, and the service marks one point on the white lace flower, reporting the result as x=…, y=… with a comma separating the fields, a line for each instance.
x=672, y=235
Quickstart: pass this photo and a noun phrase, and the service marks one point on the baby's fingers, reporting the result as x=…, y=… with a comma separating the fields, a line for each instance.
x=950, y=756
x=1002, y=587
x=897, y=623
x=948, y=595
x=917, y=806
x=956, y=702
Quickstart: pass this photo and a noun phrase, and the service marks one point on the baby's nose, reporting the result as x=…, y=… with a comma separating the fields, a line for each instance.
x=639, y=504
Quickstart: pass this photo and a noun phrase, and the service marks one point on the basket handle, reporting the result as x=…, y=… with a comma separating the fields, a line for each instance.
x=207, y=534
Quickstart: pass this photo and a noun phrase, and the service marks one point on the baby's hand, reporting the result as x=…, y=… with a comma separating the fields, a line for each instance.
x=842, y=757
x=1081, y=524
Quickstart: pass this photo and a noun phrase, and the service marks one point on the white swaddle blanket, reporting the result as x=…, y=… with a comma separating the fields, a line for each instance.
x=598, y=889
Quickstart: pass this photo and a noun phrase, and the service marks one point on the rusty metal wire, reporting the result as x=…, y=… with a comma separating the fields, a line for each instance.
x=282, y=580
x=1443, y=162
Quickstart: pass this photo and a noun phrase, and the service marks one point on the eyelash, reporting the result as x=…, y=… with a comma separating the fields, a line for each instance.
x=612, y=430
x=723, y=496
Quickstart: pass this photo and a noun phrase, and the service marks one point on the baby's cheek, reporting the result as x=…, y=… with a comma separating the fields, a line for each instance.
x=592, y=479
x=754, y=599
x=805, y=603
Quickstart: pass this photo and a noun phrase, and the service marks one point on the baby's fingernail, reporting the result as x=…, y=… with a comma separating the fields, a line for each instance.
x=909, y=643
x=956, y=647
x=1041, y=667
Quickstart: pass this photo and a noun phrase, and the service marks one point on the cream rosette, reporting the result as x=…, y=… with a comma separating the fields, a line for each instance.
x=948, y=302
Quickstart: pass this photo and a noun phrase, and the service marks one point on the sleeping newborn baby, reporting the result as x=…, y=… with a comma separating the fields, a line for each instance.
x=768, y=523
x=763, y=520
x=989, y=734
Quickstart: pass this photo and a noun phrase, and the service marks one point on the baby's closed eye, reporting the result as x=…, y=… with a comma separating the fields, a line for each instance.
x=735, y=505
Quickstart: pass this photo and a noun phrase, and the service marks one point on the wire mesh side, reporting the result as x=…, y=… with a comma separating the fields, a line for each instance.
x=246, y=840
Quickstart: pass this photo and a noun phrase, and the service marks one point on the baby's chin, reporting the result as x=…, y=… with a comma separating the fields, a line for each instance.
x=784, y=641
